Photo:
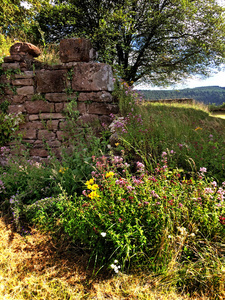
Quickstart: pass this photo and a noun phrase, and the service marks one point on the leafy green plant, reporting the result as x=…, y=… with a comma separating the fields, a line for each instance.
x=155, y=221
x=9, y=124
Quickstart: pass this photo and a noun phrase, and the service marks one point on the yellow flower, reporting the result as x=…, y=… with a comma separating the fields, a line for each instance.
x=117, y=144
x=198, y=128
x=62, y=170
x=93, y=195
x=94, y=187
x=109, y=174
x=89, y=182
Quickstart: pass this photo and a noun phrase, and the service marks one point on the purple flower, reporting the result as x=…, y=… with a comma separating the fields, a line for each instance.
x=203, y=170
x=214, y=183
x=164, y=154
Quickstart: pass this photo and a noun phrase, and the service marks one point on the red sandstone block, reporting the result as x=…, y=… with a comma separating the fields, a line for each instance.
x=51, y=81
x=23, y=48
x=39, y=152
x=92, y=77
x=28, y=81
x=25, y=90
x=96, y=97
x=38, y=106
x=46, y=134
x=75, y=50
x=102, y=108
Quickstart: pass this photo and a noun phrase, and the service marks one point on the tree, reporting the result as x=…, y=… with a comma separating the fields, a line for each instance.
x=17, y=18
x=157, y=41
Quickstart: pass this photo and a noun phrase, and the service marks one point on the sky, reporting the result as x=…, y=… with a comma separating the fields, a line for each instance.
x=214, y=80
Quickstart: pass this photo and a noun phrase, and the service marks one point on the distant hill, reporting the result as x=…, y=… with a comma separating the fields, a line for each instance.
x=207, y=94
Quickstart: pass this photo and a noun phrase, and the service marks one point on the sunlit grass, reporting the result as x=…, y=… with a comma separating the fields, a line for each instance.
x=32, y=267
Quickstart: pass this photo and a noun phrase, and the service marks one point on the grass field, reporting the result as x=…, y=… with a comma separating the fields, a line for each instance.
x=35, y=267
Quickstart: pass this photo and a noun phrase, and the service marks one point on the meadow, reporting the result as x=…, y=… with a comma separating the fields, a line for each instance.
x=137, y=212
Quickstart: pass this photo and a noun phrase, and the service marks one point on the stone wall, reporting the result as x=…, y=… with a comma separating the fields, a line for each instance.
x=42, y=92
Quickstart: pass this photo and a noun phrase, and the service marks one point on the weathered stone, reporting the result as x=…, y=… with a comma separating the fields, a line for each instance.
x=95, y=97
x=24, y=48
x=55, y=143
x=18, y=99
x=75, y=50
x=52, y=124
x=46, y=134
x=105, y=120
x=27, y=81
x=81, y=107
x=102, y=108
x=13, y=58
x=92, y=77
x=56, y=97
x=39, y=152
x=51, y=81
x=25, y=74
x=29, y=134
x=51, y=116
x=38, y=106
x=13, y=66
x=32, y=125
x=25, y=90
x=15, y=109
x=63, y=125
x=88, y=119
x=61, y=135
x=59, y=107
x=33, y=117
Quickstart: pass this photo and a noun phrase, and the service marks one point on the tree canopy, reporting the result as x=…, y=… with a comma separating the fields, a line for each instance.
x=157, y=41
x=18, y=18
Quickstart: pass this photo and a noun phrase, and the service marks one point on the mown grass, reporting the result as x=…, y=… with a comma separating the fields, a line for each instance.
x=37, y=267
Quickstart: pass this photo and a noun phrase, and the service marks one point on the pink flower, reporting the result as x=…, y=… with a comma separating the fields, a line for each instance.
x=120, y=220
x=203, y=170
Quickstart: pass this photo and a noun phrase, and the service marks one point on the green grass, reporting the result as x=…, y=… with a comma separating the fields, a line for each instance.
x=151, y=203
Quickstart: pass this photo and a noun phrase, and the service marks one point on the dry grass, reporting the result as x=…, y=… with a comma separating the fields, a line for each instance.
x=32, y=267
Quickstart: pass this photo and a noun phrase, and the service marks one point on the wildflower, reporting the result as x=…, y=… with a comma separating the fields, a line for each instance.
x=93, y=195
x=182, y=230
x=120, y=220
x=208, y=191
x=164, y=154
x=198, y=128
x=154, y=194
x=170, y=236
x=109, y=174
x=117, y=144
x=115, y=267
x=103, y=234
x=89, y=182
x=192, y=234
x=214, y=183
x=203, y=170
x=140, y=166
x=94, y=187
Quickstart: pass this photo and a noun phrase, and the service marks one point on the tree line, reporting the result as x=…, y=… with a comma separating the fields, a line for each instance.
x=207, y=95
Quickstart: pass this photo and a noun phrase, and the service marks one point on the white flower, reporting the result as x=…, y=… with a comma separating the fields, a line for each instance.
x=103, y=234
x=192, y=234
x=116, y=261
x=182, y=230
x=170, y=236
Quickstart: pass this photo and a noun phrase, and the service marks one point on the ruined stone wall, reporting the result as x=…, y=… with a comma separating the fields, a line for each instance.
x=41, y=92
